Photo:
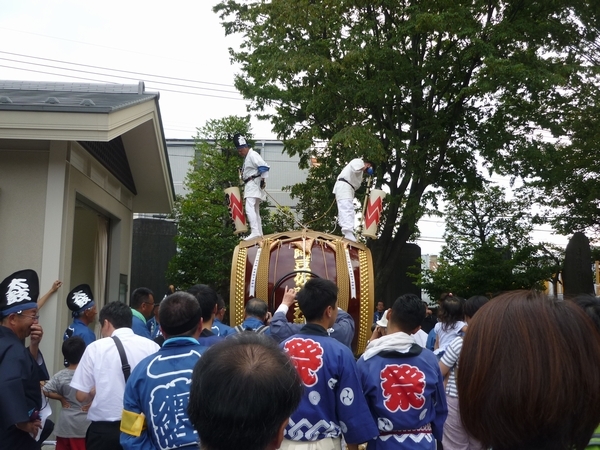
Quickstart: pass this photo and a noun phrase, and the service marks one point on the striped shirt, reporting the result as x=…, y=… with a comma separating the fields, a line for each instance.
x=450, y=359
x=595, y=441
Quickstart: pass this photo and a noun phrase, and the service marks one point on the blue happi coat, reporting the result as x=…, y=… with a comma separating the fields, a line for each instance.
x=78, y=328
x=159, y=388
x=405, y=393
x=220, y=329
x=20, y=393
x=332, y=403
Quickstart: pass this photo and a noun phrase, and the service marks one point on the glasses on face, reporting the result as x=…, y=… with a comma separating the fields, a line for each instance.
x=34, y=317
x=148, y=303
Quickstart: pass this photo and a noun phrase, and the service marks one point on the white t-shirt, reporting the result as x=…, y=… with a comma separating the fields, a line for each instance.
x=100, y=366
x=445, y=336
x=353, y=174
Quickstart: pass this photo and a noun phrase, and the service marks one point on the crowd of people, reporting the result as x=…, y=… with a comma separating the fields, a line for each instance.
x=518, y=371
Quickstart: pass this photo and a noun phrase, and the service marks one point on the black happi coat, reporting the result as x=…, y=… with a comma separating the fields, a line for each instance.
x=20, y=391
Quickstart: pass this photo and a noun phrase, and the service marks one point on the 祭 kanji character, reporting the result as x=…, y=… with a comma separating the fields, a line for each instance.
x=403, y=387
x=307, y=356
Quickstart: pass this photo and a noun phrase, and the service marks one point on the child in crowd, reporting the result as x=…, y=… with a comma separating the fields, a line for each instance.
x=450, y=322
x=72, y=422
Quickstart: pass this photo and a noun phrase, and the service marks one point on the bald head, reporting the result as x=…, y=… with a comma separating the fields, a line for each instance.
x=256, y=307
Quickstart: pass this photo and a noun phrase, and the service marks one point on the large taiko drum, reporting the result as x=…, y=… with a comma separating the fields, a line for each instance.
x=262, y=269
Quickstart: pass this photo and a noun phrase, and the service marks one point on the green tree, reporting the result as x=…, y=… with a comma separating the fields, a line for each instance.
x=205, y=239
x=488, y=247
x=565, y=181
x=554, y=257
x=475, y=219
x=425, y=88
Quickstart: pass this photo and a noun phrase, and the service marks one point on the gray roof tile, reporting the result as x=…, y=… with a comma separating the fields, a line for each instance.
x=70, y=97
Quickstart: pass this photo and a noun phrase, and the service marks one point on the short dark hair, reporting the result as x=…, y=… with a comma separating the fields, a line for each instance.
x=315, y=296
x=590, y=306
x=139, y=296
x=179, y=314
x=408, y=312
x=220, y=302
x=73, y=348
x=451, y=310
x=243, y=389
x=255, y=307
x=207, y=297
x=473, y=304
x=117, y=313
x=528, y=374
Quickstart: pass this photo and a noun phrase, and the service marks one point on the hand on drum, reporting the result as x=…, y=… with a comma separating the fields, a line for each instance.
x=289, y=297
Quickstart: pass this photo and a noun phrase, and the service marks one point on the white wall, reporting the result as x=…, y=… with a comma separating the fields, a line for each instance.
x=23, y=176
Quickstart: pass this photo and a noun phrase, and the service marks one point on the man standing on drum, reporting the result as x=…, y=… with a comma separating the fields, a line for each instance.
x=254, y=172
x=348, y=181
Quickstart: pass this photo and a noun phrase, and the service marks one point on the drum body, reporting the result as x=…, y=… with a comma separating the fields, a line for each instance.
x=235, y=204
x=262, y=269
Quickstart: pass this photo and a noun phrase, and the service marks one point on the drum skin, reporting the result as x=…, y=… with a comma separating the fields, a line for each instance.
x=285, y=258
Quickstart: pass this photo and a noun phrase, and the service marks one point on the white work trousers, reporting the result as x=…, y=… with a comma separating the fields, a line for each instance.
x=346, y=217
x=253, y=215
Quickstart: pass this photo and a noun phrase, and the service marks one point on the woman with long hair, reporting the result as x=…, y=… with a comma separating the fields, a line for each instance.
x=528, y=375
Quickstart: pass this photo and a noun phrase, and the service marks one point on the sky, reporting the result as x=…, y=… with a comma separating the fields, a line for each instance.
x=179, y=50
x=183, y=41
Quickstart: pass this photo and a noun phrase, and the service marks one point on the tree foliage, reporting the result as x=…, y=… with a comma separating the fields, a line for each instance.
x=205, y=239
x=488, y=247
x=423, y=88
x=565, y=181
x=485, y=218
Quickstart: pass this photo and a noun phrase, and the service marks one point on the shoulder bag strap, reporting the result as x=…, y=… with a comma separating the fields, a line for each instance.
x=124, y=364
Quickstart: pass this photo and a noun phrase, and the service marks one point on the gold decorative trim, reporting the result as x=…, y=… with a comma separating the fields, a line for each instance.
x=366, y=299
x=302, y=260
x=342, y=275
x=237, y=286
x=262, y=275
